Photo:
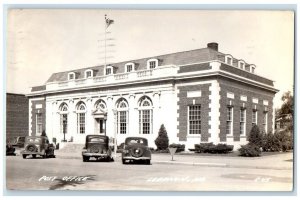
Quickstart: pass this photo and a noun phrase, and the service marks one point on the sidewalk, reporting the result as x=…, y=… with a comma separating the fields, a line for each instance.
x=281, y=161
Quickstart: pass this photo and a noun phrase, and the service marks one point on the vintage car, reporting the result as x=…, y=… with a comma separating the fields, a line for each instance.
x=96, y=146
x=18, y=141
x=38, y=145
x=10, y=150
x=136, y=149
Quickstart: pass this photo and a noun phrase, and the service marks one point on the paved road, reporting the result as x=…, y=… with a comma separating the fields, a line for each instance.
x=30, y=174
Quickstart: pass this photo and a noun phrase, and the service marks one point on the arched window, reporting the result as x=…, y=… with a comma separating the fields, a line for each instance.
x=122, y=116
x=81, y=115
x=145, y=115
x=100, y=104
x=63, y=112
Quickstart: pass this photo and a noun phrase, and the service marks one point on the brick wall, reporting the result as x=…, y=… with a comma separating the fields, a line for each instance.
x=16, y=115
x=183, y=104
x=35, y=104
x=239, y=89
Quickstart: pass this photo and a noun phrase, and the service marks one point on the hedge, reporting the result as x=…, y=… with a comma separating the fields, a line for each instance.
x=212, y=148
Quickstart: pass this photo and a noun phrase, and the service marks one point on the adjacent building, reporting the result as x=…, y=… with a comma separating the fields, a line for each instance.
x=16, y=115
x=201, y=95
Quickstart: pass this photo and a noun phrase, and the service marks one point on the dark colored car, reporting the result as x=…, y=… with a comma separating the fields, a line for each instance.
x=136, y=149
x=10, y=150
x=38, y=145
x=18, y=141
x=96, y=146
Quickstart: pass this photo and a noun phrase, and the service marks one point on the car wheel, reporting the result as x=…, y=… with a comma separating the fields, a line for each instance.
x=148, y=162
x=24, y=156
x=85, y=158
x=124, y=161
x=33, y=156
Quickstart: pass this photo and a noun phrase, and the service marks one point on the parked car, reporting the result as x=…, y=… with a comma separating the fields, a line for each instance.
x=136, y=149
x=97, y=146
x=10, y=150
x=38, y=145
x=18, y=141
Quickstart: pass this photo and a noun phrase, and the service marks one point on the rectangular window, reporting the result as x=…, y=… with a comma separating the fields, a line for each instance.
x=242, y=121
x=129, y=68
x=265, y=119
x=39, y=123
x=71, y=76
x=145, y=121
x=152, y=64
x=81, y=123
x=88, y=74
x=64, y=123
x=229, y=61
x=254, y=117
x=108, y=71
x=229, y=121
x=194, y=117
x=122, y=122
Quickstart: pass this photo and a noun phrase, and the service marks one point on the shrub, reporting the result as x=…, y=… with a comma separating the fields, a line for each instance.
x=271, y=143
x=255, y=137
x=180, y=147
x=162, y=140
x=212, y=148
x=203, y=147
x=249, y=150
x=285, y=140
x=221, y=148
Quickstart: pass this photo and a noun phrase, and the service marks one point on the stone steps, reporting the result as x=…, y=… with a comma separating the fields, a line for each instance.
x=70, y=147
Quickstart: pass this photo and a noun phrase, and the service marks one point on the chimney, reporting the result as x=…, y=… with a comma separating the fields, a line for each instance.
x=213, y=45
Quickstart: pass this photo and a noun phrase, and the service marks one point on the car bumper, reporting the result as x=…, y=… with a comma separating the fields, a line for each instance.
x=95, y=154
x=136, y=158
x=33, y=153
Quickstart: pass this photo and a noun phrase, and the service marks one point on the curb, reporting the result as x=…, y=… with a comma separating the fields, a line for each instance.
x=224, y=165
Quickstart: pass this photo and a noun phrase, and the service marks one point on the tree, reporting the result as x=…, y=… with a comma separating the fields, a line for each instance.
x=162, y=140
x=286, y=111
x=255, y=137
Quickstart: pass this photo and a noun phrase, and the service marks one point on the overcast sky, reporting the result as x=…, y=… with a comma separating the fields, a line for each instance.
x=41, y=42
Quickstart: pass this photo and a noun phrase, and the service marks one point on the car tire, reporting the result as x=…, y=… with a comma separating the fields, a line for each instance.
x=85, y=158
x=33, y=156
x=148, y=162
x=24, y=156
x=123, y=161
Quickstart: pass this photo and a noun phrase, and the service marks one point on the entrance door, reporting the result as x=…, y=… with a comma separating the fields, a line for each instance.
x=100, y=126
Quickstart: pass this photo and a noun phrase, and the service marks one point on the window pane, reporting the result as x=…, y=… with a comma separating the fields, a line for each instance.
x=194, y=119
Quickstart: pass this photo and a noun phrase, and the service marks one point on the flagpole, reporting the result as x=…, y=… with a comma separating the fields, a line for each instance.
x=105, y=45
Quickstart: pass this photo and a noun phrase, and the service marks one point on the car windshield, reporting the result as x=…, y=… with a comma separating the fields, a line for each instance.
x=34, y=140
x=136, y=141
x=96, y=139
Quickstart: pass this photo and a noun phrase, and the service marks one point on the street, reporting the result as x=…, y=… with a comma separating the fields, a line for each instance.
x=72, y=174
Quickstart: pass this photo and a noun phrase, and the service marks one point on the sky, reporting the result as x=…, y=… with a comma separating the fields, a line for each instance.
x=44, y=41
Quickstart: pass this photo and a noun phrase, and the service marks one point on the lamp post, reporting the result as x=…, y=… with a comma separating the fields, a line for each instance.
x=115, y=133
